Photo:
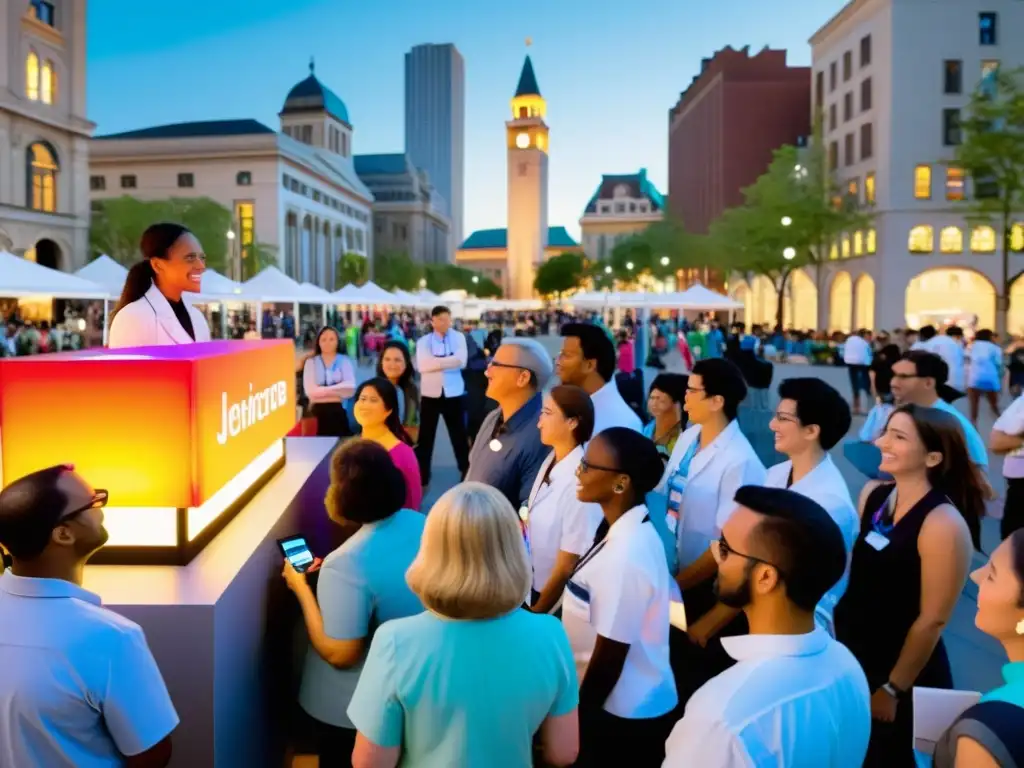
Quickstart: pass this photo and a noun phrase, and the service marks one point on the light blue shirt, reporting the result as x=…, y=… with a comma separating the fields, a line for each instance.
x=464, y=693
x=361, y=585
x=975, y=445
x=1013, y=690
x=79, y=687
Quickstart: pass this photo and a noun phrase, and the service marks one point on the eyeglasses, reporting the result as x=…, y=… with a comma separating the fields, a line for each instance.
x=786, y=417
x=721, y=550
x=496, y=364
x=99, y=499
x=586, y=466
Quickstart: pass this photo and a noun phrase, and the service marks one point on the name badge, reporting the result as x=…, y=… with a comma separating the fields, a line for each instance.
x=876, y=541
x=495, y=445
x=674, y=503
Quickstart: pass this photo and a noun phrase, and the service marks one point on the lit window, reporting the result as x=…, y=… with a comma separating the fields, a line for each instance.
x=921, y=240
x=244, y=213
x=869, y=188
x=32, y=76
x=833, y=253
x=869, y=241
x=1017, y=238
x=951, y=240
x=42, y=175
x=853, y=190
x=858, y=243
x=846, y=246
x=48, y=83
x=923, y=182
x=983, y=239
x=955, y=183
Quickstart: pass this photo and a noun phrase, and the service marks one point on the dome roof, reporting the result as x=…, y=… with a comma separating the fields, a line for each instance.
x=311, y=95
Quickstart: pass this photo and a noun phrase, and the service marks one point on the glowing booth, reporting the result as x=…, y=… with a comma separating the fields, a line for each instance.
x=181, y=437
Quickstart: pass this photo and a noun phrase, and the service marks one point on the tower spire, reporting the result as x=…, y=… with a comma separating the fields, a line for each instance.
x=312, y=66
x=527, y=80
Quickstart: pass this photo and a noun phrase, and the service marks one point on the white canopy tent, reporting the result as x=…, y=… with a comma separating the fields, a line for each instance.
x=371, y=293
x=695, y=298
x=348, y=294
x=20, y=278
x=272, y=286
x=216, y=287
x=105, y=272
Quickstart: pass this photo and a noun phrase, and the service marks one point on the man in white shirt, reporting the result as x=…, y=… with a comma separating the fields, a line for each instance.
x=857, y=356
x=1007, y=439
x=950, y=347
x=440, y=357
x=919, y=377
x=811, y=418
x=795, y=697
x=79, y=687
x=587, y=360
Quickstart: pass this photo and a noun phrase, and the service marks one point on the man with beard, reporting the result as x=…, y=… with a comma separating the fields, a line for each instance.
x=795, y=696
x=79, y=687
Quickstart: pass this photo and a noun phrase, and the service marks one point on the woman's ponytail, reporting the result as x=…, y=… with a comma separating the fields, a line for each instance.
x=139, y=280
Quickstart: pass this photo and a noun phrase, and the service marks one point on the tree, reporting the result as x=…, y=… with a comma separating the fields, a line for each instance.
x=118, y=223
x=352, y=268
x=256, y=258
x=559, y=274
x=992, y=156
x=791, y=216
x=448, y=277
x=394, y=269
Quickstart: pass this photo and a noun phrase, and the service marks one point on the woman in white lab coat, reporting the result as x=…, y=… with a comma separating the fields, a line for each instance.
x=710, y=462
x=152, y=311
x=559, y=527
x=616, y=608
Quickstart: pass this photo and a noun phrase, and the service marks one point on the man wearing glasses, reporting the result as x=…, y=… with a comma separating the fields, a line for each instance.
x=440, y=357
x=78, y=684
x=778, y=555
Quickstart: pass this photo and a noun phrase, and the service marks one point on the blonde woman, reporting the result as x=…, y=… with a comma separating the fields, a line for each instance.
x=470, y=681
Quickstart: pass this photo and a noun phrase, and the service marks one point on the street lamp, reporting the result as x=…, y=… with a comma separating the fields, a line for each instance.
x=236, y=269
x=476, y=278
x=789, y=254
x=664, y=261
x=423, y=282
x=629, y=265
x=608, y=270
x=786, y=221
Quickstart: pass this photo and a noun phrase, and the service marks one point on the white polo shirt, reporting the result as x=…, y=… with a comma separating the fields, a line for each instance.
x=610, y=410
x=856, y=350
x=621, y=592
x=79, y=687
x=799, y=701
x=431, y=349
x=556, y=519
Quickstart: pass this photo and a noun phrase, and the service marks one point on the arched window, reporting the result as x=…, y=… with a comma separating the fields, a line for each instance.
x=32, y=76
x=870, y=241
x=951, y=240
x=42, y=177
x=48, y=83
x=983, y=239
x=922, y=239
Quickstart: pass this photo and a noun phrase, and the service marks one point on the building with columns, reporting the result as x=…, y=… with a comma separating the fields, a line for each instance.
x=44, y=133
x=511, y=256
x=294, y=189
x=408, y=212
x=892, y=80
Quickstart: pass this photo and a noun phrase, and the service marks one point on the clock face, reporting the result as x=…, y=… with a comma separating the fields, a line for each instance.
x=523, y=140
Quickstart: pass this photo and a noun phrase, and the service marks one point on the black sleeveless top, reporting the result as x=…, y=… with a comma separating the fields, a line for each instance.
x=883, y=598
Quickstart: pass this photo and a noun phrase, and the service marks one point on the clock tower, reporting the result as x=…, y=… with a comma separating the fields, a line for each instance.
x=527, y=141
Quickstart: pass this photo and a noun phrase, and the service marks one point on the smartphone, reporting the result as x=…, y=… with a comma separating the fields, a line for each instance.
x=296, y=551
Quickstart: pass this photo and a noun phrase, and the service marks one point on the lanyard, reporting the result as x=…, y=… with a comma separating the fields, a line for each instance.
x=883, y=521
x=546, y=480
x=596, y=547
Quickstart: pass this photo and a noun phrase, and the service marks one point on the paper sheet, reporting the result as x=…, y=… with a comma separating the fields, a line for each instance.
x=677, y=615
x=935, y=709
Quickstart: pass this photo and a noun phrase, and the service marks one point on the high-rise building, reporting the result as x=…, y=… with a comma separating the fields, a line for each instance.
x=435, y=123
x=892, y=80
x=44, y=133
x=726, y=124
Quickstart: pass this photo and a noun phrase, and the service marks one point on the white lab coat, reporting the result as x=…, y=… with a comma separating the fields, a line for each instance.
x=716, y=473
x=825, y=485
x=150, y=322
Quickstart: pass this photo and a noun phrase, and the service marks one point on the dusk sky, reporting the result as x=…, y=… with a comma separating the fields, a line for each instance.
x=610, y=72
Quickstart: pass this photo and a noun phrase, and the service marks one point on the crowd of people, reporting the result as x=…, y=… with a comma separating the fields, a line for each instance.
x=597, y=591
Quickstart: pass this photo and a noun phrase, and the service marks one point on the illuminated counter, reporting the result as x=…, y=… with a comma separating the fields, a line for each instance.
x=181, y=437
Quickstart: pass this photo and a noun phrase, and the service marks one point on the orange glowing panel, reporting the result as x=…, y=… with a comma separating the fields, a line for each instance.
x=155, y=426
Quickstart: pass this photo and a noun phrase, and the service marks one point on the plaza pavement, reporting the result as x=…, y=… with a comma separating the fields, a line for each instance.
x=976, y=658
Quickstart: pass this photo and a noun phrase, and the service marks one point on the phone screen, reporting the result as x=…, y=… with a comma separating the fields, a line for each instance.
x=296, y=551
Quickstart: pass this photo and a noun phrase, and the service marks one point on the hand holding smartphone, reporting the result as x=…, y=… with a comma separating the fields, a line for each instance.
x=296, y=551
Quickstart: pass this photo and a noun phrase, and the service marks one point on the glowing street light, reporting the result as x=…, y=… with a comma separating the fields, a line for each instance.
x=476, y=278
x=789, y=254
x=608, y=270
x=423, y=282
x=231, y=234
x=786, y=221
x=629, y=265
x=664, y=261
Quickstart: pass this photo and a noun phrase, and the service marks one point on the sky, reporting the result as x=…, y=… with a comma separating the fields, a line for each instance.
x=609, y=71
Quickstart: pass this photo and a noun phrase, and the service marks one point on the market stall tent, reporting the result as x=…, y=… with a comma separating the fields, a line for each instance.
x=20, y=278
x=105, y=272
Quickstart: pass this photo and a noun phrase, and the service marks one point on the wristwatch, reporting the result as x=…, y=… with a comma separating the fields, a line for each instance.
x=893, y=691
